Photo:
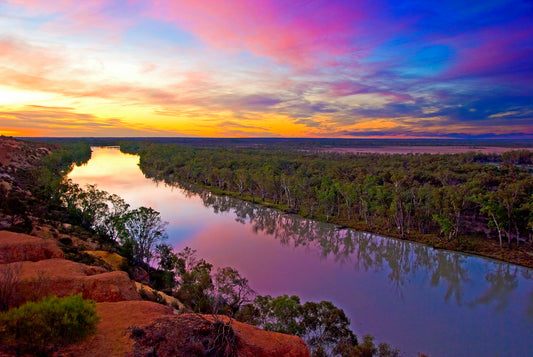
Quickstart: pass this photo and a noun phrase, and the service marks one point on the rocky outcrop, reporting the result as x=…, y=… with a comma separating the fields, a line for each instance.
x=153, y=295
x=114, y=329
x=115, y=261
x=255, y=342
x=22, y=154
x=129, y=326
x=63, y=277
x=17, y=247
x=206, y=335
x=142, y=328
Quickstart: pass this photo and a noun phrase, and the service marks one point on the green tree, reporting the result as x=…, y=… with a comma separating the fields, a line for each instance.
x=326, y=326
x=140, y=230
x=195, y=281
x=231, y=290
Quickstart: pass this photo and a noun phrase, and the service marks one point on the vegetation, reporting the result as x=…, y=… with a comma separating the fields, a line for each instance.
x=135, y=231
x=323, y=326
x=446, y=198
x=139, y=235
x=41, y=327
x=9, y=281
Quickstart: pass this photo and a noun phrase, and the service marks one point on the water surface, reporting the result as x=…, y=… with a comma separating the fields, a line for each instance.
x=414, y=297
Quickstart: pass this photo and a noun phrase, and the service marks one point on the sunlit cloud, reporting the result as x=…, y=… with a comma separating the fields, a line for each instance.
x=64, y=121
x=268, y=68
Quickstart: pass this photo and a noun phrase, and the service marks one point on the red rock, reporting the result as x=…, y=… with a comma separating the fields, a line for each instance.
x=16, y=247
x=162, y=333
x=193, y=334
x=113, y=334
x=64, y=277
x=254, y=342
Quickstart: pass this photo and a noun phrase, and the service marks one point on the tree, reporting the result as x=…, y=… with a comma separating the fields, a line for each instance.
x=326, y=325
x=280, y=314
x=164, y=278
x=195, y=282
x=92, y=206
x=323, y=326
x=231, y=289
x=111, y=224
x=166, y=258
x=140, y=231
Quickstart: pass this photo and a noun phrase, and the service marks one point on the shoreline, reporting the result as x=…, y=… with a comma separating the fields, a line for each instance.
x=485, y=248
x=423, y=150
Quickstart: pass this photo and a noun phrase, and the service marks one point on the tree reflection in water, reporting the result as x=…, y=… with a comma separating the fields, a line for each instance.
x=404, y=259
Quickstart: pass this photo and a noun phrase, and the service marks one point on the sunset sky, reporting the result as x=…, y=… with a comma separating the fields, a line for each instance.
x=245, y=68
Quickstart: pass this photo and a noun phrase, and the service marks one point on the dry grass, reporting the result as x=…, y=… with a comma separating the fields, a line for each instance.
x=113, y=259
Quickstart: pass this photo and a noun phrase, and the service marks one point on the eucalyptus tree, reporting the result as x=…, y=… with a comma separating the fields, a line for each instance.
x=140, y=231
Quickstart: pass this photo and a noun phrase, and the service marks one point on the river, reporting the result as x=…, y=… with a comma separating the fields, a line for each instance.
x=414, y=297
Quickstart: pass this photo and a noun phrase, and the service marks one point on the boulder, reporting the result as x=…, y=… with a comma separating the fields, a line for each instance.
x=254, y=342
x=64, y=277
x=152, y=293
x=114, y=260
x=16, y=247
x=203, y=335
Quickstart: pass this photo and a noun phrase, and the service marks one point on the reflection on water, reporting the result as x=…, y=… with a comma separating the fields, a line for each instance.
x=367, y=252
x=415, y=297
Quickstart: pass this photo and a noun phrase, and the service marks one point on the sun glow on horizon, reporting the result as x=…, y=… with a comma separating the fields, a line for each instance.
x=320, y=69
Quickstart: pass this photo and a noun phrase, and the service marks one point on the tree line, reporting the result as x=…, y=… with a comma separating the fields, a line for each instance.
x=438, y=195
x=367, y=252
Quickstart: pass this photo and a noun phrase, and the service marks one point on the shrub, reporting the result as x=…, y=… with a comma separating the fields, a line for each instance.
x=41, y=327
x=9, y=281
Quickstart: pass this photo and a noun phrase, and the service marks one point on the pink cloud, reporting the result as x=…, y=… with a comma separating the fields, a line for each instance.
x=296, y=33
x=28, y=58
x=495, y=52
x=78, y=16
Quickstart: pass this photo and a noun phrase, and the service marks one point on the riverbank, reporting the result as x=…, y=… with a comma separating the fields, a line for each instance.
x=471, y=202
x=364, y=275
x=476, y=245
x=44, y=253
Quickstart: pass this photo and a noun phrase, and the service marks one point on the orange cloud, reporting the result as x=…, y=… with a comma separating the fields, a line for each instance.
x=64, y=121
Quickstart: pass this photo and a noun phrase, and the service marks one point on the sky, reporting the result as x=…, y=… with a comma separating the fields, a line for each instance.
x=267, y=68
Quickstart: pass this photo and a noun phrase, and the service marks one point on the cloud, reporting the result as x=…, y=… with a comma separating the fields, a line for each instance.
x=324, y=66
x=108, y=16
x=231, y=124
x=64, y=121
x=496, y=54
x=298, y=33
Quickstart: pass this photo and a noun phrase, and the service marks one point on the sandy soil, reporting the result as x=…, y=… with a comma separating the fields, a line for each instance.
x=426, y=149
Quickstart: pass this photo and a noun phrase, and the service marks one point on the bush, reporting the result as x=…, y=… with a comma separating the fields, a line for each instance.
x=41, y=327
x=9, y=281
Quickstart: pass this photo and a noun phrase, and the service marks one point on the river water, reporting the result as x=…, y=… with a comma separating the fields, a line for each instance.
x=416, y=298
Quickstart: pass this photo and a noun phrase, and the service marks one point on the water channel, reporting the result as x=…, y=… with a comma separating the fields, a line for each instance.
x=414, y=297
